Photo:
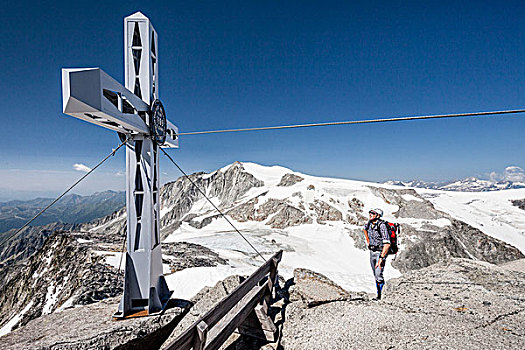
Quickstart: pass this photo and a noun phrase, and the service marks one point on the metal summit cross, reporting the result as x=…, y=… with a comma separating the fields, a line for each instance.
x=92, y=95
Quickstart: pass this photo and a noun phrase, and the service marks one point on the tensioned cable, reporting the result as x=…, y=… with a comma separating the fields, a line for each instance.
x=63, y=194
x=383, y=120
x=209, y=200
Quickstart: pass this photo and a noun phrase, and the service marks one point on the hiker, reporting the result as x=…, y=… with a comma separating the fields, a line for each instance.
x=378, y=240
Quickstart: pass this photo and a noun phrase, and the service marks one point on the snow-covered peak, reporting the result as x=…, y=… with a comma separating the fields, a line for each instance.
x=512, y=177
x=271, y=175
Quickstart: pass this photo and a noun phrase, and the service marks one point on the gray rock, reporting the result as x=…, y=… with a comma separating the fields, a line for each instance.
x=283, y=213
x=200, y=224
x=287, y=216
x=289, y=180
x=422, y=209
x=516, y=265
x=63, y=270
x=461, y=305
x=73, y=273
x=246, y=211
x=107, y=223
x=325, y=212
x=27, y=242
x=456, y=241
x=355, y=213
x=92, y=327
x=358, y=237
x=182, y=255
x=312, y=289
x=520, y=203
x=227, y=185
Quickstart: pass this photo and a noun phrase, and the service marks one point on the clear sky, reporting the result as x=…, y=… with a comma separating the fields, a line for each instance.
x=229, y=64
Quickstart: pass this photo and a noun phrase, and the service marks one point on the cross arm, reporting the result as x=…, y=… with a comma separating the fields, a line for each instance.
x=92, y=95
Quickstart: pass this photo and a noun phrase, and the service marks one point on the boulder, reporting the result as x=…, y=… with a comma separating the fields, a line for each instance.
x=312, y=289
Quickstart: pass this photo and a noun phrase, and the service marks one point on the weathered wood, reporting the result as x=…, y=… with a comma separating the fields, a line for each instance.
x=219, y=310
x=231, y=321
x=212, y=329
x=265, y=321
x=259, y=325
x=201, y=333
x=184, y=341
x=273, y=267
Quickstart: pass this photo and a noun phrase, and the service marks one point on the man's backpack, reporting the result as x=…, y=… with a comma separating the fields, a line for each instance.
x=393, y=231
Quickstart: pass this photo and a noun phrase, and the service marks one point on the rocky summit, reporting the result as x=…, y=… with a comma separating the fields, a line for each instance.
x=462, y=304
x=455, y=249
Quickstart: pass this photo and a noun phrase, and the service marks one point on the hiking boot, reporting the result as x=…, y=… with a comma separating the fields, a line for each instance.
x=379, y=286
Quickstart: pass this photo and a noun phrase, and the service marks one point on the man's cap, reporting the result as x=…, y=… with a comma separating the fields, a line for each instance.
x=376, y=211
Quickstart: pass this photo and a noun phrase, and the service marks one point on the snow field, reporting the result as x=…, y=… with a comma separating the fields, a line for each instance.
x=490, y=212
x=326, y=249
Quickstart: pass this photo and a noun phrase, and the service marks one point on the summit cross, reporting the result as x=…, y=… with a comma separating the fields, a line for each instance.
x=139, y=117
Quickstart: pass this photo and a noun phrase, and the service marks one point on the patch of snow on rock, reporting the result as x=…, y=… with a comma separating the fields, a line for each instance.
x=12, y=322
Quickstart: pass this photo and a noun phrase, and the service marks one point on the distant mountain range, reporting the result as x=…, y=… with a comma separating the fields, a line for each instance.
x=513, y=177
x=72, y=209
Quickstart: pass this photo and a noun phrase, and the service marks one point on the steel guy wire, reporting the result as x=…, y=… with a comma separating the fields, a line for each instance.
x=209, y=200
x=63, y=194
x=382, y=120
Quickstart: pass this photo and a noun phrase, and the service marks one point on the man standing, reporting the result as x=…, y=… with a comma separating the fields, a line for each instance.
x=378, y=240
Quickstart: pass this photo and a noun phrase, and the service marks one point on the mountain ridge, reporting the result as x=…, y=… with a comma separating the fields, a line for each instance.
x=72, y=209
x=513, y=177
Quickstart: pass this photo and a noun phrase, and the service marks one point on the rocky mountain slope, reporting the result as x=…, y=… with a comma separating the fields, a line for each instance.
x=316, y=221
x=71, y=270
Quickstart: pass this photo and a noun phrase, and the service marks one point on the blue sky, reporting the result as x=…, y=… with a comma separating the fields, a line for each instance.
x=246, y=64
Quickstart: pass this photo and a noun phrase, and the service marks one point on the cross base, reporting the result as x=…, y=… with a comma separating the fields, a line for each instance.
x=141, y=312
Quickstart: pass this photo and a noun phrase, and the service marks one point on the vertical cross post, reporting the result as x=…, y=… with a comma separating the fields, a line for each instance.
x=144, y=287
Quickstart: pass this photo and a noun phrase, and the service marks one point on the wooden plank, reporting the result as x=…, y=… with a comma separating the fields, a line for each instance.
x=266, y=322
x=225, y=305
x=234, y=318
x=273, y=267
x=200, y=337
x=259, y=325
x=183, y=342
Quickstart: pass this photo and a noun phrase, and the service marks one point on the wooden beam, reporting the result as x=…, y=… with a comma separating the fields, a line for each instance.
x=234, y=318
x=231, y=311
x=259, y=325
x=200, y=337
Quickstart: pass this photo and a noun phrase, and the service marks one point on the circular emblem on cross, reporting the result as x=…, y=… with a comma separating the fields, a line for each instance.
x=157, y=122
